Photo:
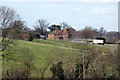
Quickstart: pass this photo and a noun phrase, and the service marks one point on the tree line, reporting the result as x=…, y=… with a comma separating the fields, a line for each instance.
x=12, y=23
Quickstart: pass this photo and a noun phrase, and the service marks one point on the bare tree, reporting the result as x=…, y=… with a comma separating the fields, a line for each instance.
x=64, y=25
x=28, y=64
x=23, y=69
x=8, y=16
x=84, y=62
x=88, y=32
x=41, y=26
x=112, y=37
x=43, y=70
x=69, y=67
x=18, y=28
x=102, y=32
x=10, y=26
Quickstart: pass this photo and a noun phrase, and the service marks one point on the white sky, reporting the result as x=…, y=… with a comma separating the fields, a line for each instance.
x=59, y=0
x=95, y=13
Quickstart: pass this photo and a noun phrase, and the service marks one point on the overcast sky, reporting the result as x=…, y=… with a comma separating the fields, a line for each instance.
x=77, y=13
x=60, y=0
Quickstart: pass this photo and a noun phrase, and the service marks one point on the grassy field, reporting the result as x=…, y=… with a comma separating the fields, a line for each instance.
x=40, y=51
x=45, y=51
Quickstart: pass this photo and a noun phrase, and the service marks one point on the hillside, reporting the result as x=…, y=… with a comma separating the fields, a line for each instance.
x=40, y=51
x=48, y=51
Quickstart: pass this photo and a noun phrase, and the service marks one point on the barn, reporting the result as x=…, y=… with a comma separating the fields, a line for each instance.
x=98, y=41
x=88, y=41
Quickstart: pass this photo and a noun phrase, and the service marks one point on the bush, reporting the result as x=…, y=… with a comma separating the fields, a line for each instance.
x=57, y=71
x=30, y=38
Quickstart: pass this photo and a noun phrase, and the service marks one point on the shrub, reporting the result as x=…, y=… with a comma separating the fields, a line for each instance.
x=30, y=38
x=57, y=71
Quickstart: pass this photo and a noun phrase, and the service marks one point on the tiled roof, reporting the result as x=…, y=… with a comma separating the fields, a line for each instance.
x=58, y=32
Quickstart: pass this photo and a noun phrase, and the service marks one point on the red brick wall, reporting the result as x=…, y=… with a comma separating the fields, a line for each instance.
x=64, y=35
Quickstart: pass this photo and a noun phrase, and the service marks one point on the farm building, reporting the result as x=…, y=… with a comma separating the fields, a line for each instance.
x=89, y=41
x=59, y=35
x=97, y=41
x=82, y=40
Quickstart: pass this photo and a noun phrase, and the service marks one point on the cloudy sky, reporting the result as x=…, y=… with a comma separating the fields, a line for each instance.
x=60, y=0
x=77, y=13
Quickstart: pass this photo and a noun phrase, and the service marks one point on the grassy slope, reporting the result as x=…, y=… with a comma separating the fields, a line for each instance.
x=54, y=42
x=106, y=47
x=45, y=49
x=40, y=51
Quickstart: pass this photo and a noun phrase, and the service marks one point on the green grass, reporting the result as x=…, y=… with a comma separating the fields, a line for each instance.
x=40, y=51
x=54, y=42
x=44, y=51
x=106, y=47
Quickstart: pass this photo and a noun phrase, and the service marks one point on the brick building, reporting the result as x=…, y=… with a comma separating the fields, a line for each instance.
x=59, y=35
